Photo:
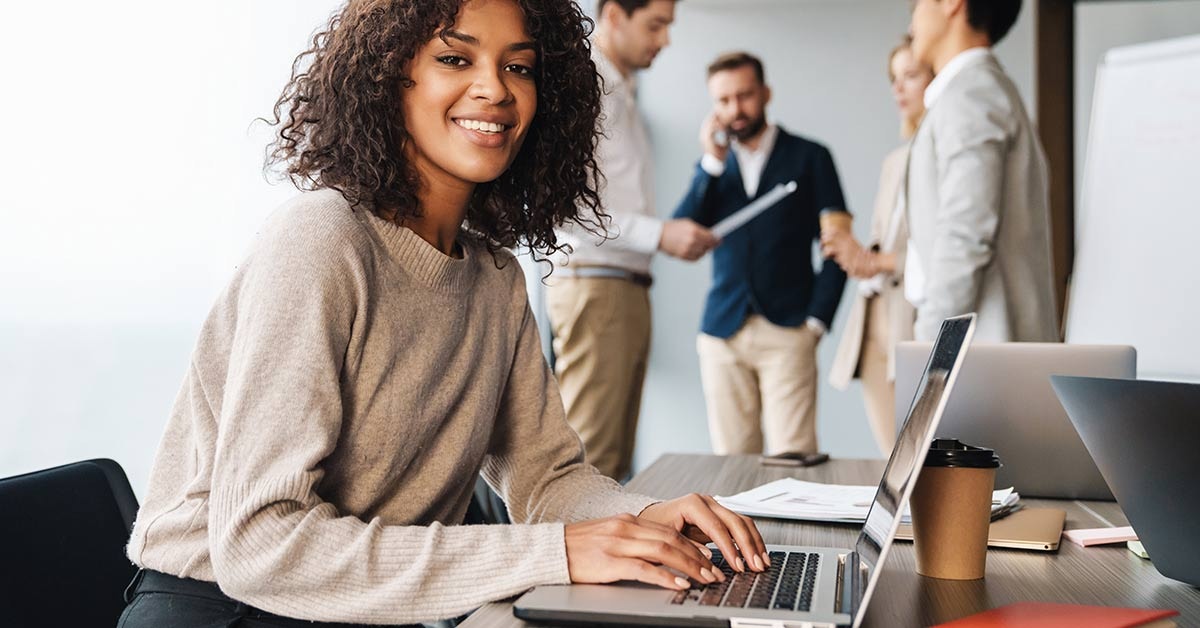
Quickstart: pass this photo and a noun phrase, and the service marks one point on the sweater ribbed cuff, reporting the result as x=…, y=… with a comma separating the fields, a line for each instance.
x=278, y=549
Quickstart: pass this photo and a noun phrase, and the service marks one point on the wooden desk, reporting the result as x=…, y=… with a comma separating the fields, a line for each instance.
x=1108, y=576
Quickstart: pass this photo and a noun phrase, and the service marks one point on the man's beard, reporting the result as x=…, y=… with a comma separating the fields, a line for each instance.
x=753, y=127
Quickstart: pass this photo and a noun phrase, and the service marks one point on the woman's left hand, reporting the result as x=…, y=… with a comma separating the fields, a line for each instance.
x=701, y=519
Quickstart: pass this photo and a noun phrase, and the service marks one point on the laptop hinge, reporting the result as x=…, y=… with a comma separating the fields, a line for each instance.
x=839, y=595
x=854, y=582
x=753, y=622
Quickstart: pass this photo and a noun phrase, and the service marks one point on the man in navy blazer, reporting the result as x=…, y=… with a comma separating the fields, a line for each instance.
x=767, y=307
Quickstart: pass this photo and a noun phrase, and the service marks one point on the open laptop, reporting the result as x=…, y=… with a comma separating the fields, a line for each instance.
x=1004, y=402
x=805, y=586
x=1144, y=435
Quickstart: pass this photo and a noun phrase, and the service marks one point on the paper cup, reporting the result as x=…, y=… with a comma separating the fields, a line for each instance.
x=835, y=220
x=952, y=509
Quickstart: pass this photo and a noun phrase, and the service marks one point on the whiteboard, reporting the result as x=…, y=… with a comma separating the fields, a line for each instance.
x=1137, y=254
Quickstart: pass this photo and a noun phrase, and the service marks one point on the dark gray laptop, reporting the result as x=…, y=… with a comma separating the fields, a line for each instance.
x=1144, y=436
x=1004, y=402
x=805, y=586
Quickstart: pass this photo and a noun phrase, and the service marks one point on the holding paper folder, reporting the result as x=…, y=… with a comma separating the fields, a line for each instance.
x=753, y=209
x=768, y=305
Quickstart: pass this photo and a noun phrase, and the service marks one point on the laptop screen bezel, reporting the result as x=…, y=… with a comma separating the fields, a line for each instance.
x=873, y=555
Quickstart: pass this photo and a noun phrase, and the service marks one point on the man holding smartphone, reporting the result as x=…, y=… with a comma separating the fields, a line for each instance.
x=767, y=308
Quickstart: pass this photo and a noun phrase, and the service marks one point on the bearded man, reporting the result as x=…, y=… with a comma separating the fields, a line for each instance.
x=767, y=308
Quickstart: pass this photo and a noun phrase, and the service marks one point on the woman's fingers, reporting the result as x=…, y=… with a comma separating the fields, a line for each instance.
x=642, y=571
x=700, y=544
x=701, y=518
x=745, y=534
x=655, y=531
x=742, y=532
x=698, y=512
x=625, y=547
x=696, y=534
x=680, y=556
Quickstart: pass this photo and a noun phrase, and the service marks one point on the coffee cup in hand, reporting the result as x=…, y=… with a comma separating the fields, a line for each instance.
x=835, y=220
x=834, y=223
x=952, y=509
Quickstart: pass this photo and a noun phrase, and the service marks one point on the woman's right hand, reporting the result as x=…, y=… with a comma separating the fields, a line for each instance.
x=845, y=251
x=627, y=548
x=840, y=246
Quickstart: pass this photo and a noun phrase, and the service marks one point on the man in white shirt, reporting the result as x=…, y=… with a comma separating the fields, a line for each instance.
x=598, y=296
x=977, y=187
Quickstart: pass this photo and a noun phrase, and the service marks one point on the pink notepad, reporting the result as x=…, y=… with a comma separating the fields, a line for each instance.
x=1100, y=536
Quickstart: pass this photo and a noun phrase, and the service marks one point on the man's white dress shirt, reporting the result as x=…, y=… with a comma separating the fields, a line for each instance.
x=625, y=160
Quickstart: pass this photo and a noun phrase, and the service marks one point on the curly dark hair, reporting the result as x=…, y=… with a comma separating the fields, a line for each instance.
x=339, y=126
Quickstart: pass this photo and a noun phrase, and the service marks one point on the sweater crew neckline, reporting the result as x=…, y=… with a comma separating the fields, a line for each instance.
x=421, y=259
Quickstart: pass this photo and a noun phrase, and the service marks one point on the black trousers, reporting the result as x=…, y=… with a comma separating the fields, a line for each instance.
x=156, y=600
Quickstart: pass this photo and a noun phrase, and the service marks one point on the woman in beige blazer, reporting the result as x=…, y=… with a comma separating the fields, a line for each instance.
x=880, y=316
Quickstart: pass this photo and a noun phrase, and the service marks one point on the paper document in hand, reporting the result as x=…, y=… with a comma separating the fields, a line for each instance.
x=790, y=498
x=756, y=207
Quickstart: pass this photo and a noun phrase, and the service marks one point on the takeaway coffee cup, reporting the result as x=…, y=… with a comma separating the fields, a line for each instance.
x=834, y=219
x=951, y=510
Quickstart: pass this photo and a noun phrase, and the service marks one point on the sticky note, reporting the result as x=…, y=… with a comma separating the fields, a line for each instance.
x=1100, y=536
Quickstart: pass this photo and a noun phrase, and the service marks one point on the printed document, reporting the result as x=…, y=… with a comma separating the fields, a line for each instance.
x=790, y=498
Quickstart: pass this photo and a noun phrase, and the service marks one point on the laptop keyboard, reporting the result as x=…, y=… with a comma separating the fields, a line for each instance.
x=786, y=585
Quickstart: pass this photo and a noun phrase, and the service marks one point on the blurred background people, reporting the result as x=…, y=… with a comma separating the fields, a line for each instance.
x=880, y=316
x=767, y=309
x=598, y=300
x=978, y=200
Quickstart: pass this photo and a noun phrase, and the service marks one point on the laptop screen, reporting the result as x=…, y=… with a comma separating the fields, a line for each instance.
x=912, y=443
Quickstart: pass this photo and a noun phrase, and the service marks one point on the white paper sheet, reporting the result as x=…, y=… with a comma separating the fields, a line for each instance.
x=790, y=498
x=752, y=209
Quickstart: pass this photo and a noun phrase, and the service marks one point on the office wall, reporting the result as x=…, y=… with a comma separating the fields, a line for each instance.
x=825, y=61
x=132, y=186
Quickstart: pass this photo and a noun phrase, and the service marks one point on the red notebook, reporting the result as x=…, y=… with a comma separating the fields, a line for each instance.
x=1043, y=615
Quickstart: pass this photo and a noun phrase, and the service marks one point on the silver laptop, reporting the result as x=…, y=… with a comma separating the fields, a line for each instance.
x=1004, y=402
x=1144, y=436
x=805, y=586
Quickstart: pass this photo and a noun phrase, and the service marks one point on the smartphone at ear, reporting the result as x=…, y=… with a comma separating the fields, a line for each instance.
x=794, y=459
x=720, y=137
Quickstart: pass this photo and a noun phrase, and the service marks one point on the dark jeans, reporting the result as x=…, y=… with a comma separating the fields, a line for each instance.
x=156, y=600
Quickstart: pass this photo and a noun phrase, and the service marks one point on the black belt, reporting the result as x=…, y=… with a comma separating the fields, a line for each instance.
x=606, y=272
x=149, y=581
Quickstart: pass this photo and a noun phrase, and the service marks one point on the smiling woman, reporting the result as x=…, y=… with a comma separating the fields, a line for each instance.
x=381, y=61
x=375, y=352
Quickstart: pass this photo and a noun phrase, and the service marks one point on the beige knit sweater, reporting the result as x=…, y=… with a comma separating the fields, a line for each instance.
x=345, y=390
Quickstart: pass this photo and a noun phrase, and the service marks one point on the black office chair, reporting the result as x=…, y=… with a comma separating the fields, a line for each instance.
x=62, y=545
x=485, y=507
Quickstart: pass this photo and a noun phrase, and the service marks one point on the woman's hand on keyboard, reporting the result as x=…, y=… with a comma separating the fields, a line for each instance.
x=702, y=519
x=625, y=547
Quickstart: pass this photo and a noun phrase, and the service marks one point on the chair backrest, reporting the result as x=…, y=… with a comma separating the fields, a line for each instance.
x=62, y=545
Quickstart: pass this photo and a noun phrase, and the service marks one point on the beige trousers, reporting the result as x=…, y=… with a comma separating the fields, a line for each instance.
x=601, y=344
x=761, y=379
x=879, y=392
